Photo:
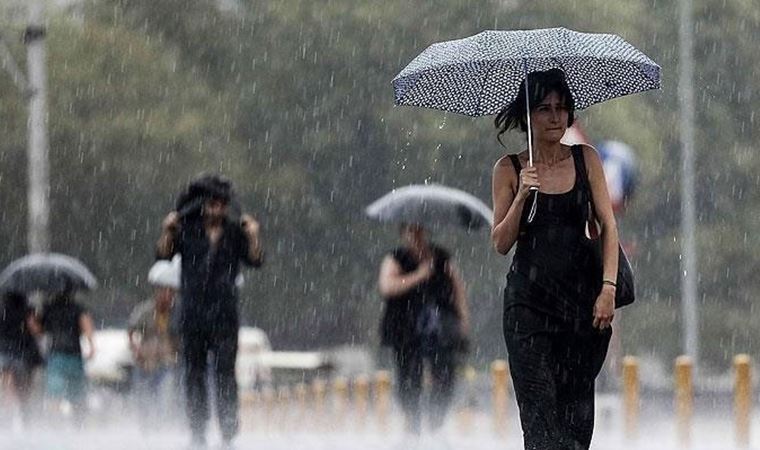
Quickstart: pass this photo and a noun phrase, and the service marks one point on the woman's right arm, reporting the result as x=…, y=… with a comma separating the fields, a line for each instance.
x=392, y=283
x=508, y=205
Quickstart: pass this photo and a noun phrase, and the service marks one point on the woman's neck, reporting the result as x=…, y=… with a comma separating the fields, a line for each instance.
x=548, y=153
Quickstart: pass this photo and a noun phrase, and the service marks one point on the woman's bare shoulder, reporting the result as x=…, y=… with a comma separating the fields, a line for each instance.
x=591, y=157
x=505, y=162
x=589, y=150
x=501, y=163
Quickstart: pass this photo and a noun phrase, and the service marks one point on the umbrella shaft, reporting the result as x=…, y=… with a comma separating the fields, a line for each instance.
x=527, y=117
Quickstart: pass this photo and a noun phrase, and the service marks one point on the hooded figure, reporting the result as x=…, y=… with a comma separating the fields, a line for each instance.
x=212, y=243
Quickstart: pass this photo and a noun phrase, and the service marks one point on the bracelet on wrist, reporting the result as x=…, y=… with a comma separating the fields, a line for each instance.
x=609, y=282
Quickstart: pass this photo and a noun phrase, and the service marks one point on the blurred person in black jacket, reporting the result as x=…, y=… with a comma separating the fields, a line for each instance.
x=212, y=244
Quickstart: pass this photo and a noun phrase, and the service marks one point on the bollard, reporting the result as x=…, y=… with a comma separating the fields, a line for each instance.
x=499, y=379
x=248, y=405
x=282, y=418
x=465, y=414
x=383, y=400
x=268, y=397
x=301, y=417
x=339, y=403
x=684, y=398
x=742, y=398
x=361, y=400
x=631, y=396
x=319, y=392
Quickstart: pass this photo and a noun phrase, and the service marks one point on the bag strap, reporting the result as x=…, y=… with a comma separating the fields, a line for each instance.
x=580, y=170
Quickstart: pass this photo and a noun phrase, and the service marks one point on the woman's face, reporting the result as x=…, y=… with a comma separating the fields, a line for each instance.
x=412, y=235
x=549, y=118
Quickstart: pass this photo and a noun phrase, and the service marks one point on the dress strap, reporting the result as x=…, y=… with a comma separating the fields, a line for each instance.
x=516, y=164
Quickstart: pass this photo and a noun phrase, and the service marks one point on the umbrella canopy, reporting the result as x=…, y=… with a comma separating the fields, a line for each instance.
x=431, y=205
x=47, y=272
x=481, y=74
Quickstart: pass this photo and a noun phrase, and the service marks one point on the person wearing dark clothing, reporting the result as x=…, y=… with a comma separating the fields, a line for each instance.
x=556, y=320
x=19, y=354
x=212, y=246
x=63, y=321
x=426, y=319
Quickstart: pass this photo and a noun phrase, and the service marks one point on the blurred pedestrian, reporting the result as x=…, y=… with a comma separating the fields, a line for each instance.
x=154, y=347
x=64, y=320
x=19, y=354
x=426, y=321
x=556, y=322
x=212, y=245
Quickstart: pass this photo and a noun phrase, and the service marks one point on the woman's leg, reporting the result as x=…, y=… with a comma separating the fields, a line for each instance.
x=409, y=368
x=23, y=382
x=581, y=356
x=195, y=348
x=443, y=370
x=225, y=355
x=533, y=372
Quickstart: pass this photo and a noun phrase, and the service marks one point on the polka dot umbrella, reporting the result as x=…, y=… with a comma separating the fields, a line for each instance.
x=481, y=74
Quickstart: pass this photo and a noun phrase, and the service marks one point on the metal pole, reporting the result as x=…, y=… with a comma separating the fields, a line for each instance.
x=688, y=214
x=38, y=196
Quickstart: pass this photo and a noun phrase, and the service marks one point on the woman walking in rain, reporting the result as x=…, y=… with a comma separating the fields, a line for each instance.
x=426, y=319
x=19, y=355
x=556, y=321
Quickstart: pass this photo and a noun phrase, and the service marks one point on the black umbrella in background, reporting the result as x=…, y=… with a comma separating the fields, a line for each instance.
x=431, y=205
x=46, y=272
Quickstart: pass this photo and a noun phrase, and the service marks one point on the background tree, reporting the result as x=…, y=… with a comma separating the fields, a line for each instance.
x=292, y=100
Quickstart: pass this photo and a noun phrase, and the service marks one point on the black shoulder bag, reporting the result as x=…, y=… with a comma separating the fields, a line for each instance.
x=625, y=293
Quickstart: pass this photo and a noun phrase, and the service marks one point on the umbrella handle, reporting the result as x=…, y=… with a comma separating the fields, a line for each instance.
x=533, y=206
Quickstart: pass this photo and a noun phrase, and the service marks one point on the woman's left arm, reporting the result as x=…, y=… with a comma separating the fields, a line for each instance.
x=460, y=297
x=604, y=308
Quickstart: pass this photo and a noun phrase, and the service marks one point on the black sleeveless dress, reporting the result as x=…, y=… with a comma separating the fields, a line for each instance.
x=553, y=259
x=400, y=325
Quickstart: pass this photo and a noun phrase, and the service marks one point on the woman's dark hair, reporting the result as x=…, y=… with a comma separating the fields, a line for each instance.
x=540, y=85
x=64, y=296
x=14, y=300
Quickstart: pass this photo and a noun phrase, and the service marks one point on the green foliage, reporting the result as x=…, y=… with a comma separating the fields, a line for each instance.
x=292, y=99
